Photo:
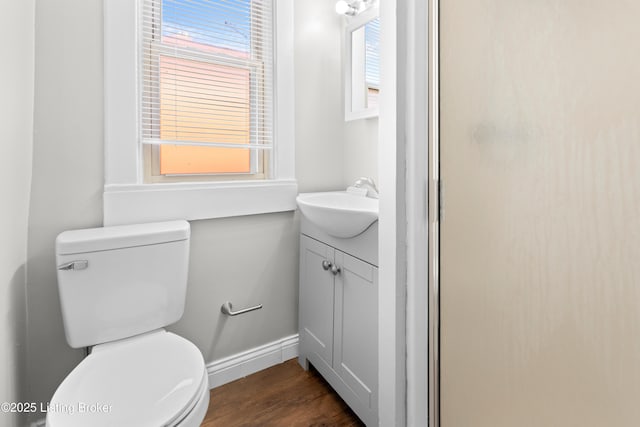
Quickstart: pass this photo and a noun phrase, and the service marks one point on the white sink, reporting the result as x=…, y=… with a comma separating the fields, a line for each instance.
x=339, y=213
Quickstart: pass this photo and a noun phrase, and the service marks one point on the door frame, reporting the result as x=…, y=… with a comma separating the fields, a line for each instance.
x=416, y=91
x=408, y=292
x=423, y=210
x=435, y=211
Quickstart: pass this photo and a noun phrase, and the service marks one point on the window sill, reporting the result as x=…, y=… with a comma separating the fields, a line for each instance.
x=129, y=204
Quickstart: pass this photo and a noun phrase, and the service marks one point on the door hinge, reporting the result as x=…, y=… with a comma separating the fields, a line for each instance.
x=440, y=189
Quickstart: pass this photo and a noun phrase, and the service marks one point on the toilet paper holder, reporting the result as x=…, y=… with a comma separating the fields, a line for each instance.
x=227, y=308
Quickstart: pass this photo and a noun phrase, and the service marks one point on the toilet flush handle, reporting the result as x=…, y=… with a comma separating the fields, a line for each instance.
x=82, y=264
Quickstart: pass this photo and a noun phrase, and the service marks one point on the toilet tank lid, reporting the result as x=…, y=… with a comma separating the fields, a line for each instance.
x=120, y=236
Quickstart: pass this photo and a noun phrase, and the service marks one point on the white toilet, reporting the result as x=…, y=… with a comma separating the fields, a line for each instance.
x=119, y=287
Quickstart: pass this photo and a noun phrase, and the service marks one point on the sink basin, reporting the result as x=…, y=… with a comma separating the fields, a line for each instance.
x=339, y=213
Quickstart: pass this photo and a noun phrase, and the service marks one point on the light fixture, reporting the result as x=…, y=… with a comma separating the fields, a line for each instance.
x=345, y=8
x=354, y=7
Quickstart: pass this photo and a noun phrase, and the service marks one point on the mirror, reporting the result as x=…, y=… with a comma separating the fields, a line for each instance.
x=362, y=66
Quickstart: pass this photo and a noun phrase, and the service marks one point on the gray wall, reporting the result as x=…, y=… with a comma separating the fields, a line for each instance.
x=16, y=141
x=245, y=260
x=67, y=178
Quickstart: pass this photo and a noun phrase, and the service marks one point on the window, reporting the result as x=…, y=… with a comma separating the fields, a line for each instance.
x=206, y=94
x=198, y=109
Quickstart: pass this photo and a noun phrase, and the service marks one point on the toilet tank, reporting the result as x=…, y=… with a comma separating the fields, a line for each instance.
x=116, y=282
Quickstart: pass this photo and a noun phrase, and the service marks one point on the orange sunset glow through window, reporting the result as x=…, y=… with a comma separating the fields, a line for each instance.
x=196, y=110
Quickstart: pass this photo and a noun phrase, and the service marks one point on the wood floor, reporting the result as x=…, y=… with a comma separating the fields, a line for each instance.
x=283, y=395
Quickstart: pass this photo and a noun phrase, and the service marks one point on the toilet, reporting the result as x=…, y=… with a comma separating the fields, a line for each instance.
x=119, y=287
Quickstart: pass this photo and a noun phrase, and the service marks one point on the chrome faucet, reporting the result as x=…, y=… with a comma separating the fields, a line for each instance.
x=369, y=184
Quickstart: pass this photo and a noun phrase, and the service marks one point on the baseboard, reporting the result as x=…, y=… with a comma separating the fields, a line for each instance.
x=248, y=362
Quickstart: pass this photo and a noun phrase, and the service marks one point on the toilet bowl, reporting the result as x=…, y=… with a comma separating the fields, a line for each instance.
x=155, y=379
x=119, y=288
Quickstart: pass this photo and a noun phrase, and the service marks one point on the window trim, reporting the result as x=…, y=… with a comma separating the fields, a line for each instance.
x=127, y=199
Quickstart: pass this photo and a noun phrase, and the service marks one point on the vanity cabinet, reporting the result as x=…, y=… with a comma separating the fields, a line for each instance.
x=339, y=322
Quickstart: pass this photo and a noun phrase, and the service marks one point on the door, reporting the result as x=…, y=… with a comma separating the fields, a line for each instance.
x=356, y=327
x=316, y=297
x=540, y=234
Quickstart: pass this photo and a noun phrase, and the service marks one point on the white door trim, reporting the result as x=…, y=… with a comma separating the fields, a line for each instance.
x=417, y=192
x=403, y=242
x=392, y=223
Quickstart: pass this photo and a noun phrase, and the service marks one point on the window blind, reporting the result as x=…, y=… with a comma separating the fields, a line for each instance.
x=372, y=53
x=207, y=72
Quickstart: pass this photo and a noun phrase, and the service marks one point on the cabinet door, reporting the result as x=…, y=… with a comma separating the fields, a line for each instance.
x=316, y=298
x=356, y=331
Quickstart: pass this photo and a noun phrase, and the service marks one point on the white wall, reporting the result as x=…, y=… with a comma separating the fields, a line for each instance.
x=16, y=140
x=330, y=153
x=360, y=138
x=318, y=86
x=245, y=260
x=360, y=150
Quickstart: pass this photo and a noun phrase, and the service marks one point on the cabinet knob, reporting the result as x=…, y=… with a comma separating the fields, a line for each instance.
x=335, y=270
x=326, y=265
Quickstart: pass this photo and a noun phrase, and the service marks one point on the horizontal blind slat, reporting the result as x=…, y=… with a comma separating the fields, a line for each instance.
x=152, y=141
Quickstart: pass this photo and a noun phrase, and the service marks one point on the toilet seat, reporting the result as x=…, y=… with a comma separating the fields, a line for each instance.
x=151, y=380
